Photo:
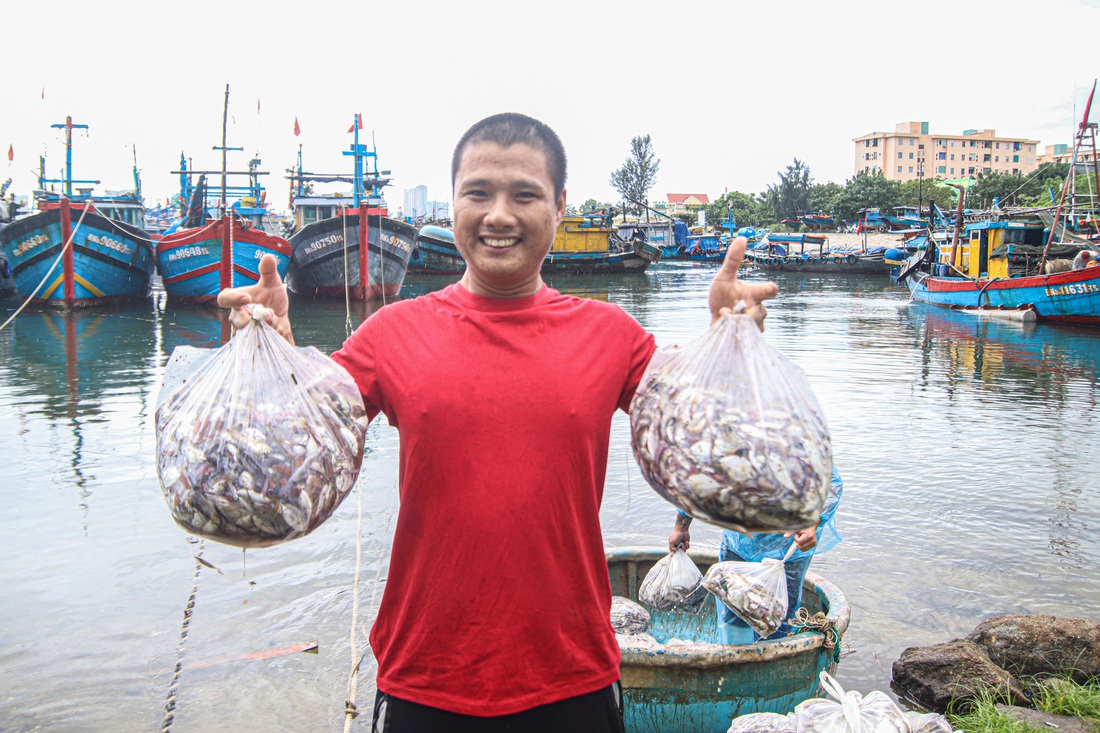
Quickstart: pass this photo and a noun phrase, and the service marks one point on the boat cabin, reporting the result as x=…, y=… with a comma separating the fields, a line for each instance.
x=308, y=209
x=579, y=234
x=990, y=249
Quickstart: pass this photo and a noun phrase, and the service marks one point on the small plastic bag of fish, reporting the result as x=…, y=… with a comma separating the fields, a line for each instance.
x=258, y=441
x=763, y=723
x=849, y=712
x=728, y=430
x=628, y=617
x=674, y=583
x=755, y=591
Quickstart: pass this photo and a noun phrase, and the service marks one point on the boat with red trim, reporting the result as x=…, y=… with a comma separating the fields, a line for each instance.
x=1012, y=266
x=104, y=254
x=205, y=254
x=327, y=259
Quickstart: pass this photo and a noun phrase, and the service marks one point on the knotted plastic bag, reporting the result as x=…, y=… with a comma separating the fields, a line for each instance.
x=674, y=583
x=628, y=617
x=849, y=712
x=755, y=591
x=258, y=441
x=729, y=431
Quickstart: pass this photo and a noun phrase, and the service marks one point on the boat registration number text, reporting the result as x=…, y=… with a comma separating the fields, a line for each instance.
x=115, y=244
x=183, y=252
x=28, y=244
x=1080, y=289
x=322, y=243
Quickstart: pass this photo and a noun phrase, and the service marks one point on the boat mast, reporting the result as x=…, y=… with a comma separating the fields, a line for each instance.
x=67, y=182
x=1078, y=143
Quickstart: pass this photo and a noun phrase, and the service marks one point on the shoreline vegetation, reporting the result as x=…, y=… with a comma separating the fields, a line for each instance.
x=989, y=713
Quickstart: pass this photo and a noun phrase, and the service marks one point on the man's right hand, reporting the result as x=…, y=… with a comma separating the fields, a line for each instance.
x=269, y=292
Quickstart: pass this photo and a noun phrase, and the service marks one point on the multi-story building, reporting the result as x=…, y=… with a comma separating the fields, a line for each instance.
x=416, y=202
x=911, y=152
x=1062, y=153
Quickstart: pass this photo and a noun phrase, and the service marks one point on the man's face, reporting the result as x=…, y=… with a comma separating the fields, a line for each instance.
x=505, y=217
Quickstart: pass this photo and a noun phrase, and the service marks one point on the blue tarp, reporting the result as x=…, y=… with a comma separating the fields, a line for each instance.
x=680, y=232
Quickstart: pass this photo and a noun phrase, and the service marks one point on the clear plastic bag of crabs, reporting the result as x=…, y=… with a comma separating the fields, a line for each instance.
x=258, y=441
x=755, y=591
x=729, y=430
x=674, y=583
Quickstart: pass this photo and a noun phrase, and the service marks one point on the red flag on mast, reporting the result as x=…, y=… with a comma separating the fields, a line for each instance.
x=358, y=124
x=11, y=153
x=297, y=130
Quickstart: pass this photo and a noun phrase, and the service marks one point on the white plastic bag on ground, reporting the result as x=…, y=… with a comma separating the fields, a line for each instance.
x=763, y=723
x=849, y=712
x=928, y=723
x=674, y=583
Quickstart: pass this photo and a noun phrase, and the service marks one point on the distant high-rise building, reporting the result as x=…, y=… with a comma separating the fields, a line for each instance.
x=911, y=152
x=416, y=202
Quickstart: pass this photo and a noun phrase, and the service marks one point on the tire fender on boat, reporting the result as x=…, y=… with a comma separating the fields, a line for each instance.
x=851, y=259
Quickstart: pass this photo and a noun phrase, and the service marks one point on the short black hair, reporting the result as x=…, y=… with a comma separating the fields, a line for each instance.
x=507, y=129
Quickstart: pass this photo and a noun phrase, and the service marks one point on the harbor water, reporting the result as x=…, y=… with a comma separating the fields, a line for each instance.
x=968, y=449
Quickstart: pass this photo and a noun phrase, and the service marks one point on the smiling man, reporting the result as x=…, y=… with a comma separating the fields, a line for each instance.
x=496, y=610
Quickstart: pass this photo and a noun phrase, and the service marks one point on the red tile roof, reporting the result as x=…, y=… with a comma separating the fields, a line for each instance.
x=679, y=198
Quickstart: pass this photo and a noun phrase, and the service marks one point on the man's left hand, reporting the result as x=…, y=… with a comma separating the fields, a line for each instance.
x=806, y=539
x=727, y=289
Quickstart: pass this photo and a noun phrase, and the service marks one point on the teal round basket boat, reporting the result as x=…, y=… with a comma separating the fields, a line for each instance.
x=699, y=687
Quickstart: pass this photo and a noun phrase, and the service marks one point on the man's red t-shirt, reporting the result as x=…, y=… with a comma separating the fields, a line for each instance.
x=498, y=597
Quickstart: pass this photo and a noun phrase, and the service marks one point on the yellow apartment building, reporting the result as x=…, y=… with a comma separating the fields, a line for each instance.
x=911, y=152
x=1062, y=153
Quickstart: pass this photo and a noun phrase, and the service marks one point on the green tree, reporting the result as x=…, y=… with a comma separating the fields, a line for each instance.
x=688, y=217
x=867, y=190
x=748, y=210
x=792, y=194
x=638, y=174
x=823, y=197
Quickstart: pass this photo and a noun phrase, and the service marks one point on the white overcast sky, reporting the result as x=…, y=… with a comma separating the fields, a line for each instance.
x=730, y=91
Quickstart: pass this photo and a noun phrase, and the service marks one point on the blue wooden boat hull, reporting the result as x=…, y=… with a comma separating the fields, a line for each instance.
x=594, y=262
x=112, y=261
x=701, y=687
x=7, y=284
x=191, y=266
x=435, y=253
x=1064, y=297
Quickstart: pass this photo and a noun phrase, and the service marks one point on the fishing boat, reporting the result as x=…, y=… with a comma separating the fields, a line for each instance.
x=198, y=257
x=905, y=218
x=583, y=246
x=9, y=209
x=699, y=686
x=814, y=220
x=105, y=255
x=327, y=260
x=1016, y=268
x=707, y=247
x=669, y=235
x=435, y=252
x=812, y=253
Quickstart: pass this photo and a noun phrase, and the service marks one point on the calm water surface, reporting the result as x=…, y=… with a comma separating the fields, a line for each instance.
x=967, y=450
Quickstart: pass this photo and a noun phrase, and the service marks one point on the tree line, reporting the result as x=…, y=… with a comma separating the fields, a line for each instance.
x=796, y=192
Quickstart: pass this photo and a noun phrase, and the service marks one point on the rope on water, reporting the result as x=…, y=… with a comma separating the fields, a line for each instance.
x=173, y=688
x=820, y=622
x=49, y=272
x=350, y=710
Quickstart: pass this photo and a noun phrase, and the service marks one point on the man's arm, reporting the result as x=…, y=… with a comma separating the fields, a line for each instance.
x=681, y=535
x=727, y=290
x=269, y=292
